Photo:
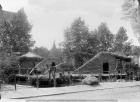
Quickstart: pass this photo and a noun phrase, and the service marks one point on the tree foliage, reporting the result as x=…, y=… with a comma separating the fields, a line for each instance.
x=136, y=50
x=76, y=40
x=121, y=43
x=14, y=37
x=105, y=37
x=131, y=9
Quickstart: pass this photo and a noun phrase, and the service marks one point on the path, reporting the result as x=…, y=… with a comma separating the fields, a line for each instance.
x=27, y=93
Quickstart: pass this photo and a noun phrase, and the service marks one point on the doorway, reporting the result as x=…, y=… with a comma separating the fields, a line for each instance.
x=105, y=68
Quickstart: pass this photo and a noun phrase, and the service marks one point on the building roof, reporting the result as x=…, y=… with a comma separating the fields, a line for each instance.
x=117, y=56
x=31, y=56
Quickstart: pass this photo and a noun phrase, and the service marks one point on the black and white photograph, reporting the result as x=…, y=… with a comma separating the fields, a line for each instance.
x=70, y=50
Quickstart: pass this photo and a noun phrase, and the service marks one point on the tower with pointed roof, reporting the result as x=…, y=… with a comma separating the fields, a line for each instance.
x=55, y=53
x=54, y=47
x=6, y=16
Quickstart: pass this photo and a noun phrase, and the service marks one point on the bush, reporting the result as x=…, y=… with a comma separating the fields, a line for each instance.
x=21, y=78
x=45, y=82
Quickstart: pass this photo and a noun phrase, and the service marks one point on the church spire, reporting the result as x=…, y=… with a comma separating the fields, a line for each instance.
x=54, y=46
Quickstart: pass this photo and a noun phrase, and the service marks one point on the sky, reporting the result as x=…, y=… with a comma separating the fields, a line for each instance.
x=51, y=17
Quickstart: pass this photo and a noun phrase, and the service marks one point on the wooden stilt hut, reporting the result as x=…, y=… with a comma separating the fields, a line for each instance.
x=106, y=64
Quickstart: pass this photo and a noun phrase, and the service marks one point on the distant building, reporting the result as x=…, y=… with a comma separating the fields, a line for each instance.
x=6, y=16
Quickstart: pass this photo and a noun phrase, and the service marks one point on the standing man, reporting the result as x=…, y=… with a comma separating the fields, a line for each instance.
x=52, y=72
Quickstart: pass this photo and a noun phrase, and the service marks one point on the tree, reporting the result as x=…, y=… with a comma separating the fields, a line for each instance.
x=21, y=38
x=75, y=40
x=93, y=43
x=127, y=49
x=121, y=43
x=131, y=9
x=135, y=50
x=121, y=35
x=120, y=38
x=105, y=37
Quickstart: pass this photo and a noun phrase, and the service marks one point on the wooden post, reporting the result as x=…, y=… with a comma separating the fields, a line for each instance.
x=109, y=77
x=19, y=71
x=121, y=69
x=138, y=74
x=116, y=64
x=0, y=89
x=37, y=82
x=69, y=76
x=129, y=71
x=15, y=83
x=99, y=75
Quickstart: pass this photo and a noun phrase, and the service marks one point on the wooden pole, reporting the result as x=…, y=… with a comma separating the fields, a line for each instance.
x=19, y=71
x=37, y=81
x=129, y=72
x=121, y=69
x=15, y=83
x=0, y=89
x=116, y=70
x=69, y=76
x=109, y=76
x=99, y=75
x=49, y=75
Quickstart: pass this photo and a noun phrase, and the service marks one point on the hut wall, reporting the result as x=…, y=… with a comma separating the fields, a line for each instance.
x=110, y=60
x=25, y=66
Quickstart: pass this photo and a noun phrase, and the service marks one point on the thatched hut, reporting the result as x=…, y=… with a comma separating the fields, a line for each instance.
x=105, y=63
x=28, y=61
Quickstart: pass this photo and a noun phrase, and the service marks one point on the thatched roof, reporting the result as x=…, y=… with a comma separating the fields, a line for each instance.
x=117, y=56
x=30, y=56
